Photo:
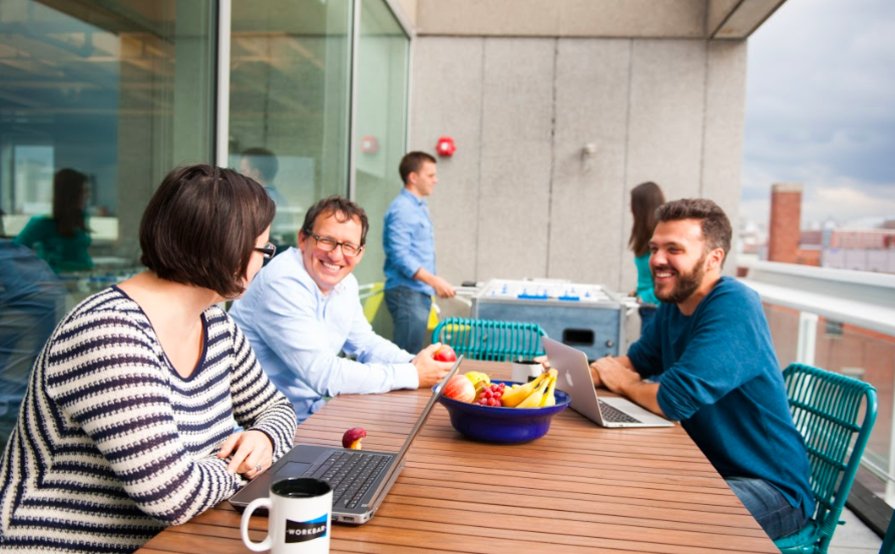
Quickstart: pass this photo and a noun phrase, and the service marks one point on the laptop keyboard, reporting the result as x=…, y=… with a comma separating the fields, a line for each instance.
x=610, y=413
x=350, y=474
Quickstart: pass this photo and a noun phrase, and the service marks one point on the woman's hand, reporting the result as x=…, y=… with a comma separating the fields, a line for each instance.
x=250, y=453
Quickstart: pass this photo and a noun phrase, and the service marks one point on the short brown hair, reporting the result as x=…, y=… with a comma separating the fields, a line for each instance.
x=343, y=210
x=716, y=228
x=412, y=162
x=201, y=225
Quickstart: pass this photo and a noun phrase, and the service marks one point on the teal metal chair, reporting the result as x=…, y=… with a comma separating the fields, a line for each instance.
x=888, y=546
x=834, y=413
x=496, y=341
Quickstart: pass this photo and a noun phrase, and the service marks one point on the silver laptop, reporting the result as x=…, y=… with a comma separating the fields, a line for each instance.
x=360, y=478
x=574, y=378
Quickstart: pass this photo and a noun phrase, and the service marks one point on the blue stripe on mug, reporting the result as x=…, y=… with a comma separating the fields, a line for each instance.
x=305, y=530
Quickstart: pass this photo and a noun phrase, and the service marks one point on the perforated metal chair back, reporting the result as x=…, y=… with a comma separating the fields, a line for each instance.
x=834, y=414
x=484, y=339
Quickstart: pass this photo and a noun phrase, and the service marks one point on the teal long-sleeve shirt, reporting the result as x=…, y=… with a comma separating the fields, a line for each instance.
x=61, y=253
x=722, y=381
x=645, y=280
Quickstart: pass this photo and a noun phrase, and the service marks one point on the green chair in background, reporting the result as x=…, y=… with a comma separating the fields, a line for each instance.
x=834, y=413
x=483, y=339
x=371, y=297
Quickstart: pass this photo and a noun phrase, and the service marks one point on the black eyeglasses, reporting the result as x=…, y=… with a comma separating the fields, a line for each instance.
x=328, y=245
x=268, y=250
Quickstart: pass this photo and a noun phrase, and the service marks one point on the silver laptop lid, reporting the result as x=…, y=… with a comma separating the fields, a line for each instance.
x=574, y=373
x=575, y=378
x=397, y=463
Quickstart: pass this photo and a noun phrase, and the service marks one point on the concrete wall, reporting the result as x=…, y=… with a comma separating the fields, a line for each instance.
x=520, y=198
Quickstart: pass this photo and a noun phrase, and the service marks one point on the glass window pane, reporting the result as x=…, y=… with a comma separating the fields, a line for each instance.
x=118, y=92
x=289, y=98
x=381, y=124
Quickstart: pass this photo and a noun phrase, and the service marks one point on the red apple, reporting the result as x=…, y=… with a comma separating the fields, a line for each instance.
x=352, y=437
x=460, y=388
x=445, y=354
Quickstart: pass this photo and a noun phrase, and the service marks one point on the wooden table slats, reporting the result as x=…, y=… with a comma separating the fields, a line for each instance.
x=580, y=488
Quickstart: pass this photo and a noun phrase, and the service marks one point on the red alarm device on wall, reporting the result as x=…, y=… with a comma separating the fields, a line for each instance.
x=445, y=146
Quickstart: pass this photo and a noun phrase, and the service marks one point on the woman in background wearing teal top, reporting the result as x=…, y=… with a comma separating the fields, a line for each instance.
x=645, y=198
x=63, y=239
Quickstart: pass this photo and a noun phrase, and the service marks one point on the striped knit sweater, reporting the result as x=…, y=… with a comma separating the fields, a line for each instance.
x=112, y=444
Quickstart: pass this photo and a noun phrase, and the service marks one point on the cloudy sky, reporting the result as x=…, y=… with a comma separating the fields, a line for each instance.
x=820, y=110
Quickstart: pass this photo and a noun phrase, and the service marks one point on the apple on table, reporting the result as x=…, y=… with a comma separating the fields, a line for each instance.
x=460, y=388
x=445, y=354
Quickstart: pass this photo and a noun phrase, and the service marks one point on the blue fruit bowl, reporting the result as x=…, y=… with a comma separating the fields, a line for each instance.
x=502, y=425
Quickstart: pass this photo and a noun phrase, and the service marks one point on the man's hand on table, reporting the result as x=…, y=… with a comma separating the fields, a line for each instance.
x=613, y=375
x=250, y=453
x=618, y=375
x=430, y=372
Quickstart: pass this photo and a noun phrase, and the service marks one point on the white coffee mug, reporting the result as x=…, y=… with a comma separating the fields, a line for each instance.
x=524, y=371
x=299, y=512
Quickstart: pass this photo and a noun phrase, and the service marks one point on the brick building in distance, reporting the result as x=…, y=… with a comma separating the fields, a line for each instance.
x=857, y=249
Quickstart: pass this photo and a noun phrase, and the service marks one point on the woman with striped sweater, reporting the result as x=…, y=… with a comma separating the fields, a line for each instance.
x=128, y=422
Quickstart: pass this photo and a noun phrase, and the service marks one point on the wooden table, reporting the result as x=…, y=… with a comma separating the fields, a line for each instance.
x=580, y=488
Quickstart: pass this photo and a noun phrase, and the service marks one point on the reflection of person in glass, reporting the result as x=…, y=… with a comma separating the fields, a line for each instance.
x=128, y=422
x=31, y=300
x=63, y=239
x=261, y=165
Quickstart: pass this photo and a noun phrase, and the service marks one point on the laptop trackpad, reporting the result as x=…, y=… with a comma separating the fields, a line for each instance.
x=292, y=469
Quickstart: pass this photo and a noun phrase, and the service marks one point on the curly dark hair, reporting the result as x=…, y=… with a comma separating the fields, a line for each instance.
x=716, y=229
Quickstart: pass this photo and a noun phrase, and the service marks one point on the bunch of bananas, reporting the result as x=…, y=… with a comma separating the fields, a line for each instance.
x=478, y=379
x=537, y=393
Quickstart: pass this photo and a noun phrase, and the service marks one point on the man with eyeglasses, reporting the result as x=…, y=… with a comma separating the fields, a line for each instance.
x=409, y=243
x=303, y=309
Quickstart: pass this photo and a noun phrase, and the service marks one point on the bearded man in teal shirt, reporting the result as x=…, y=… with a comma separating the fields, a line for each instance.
x=711, y=344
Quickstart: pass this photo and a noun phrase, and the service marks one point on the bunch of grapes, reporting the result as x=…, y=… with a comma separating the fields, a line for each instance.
x=490, y=395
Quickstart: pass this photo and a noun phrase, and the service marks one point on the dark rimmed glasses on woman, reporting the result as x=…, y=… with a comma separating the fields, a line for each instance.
x=268, y=250
x=328, y=245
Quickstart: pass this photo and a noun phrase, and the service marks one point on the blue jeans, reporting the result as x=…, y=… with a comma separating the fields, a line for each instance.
x=769, y=508
x=410, y=315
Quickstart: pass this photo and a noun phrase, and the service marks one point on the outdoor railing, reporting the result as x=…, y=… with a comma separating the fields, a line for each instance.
x=842, y=321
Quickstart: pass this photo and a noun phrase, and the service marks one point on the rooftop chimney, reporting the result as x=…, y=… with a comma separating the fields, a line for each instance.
x=786, y=218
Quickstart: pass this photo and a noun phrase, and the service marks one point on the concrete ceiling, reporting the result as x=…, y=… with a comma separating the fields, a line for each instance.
x=695, y=19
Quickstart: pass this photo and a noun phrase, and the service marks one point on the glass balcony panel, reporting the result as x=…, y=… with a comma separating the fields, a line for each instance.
x=381, y=123
x=870, y=357
x=784, y=325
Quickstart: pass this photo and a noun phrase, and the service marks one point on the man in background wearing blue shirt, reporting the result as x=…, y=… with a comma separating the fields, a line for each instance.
x=720, y=376
x=303, y=309
x=409, y=243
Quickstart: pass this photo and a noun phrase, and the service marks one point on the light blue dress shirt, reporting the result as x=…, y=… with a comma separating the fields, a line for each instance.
x=409, y=243
x=297, y=334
